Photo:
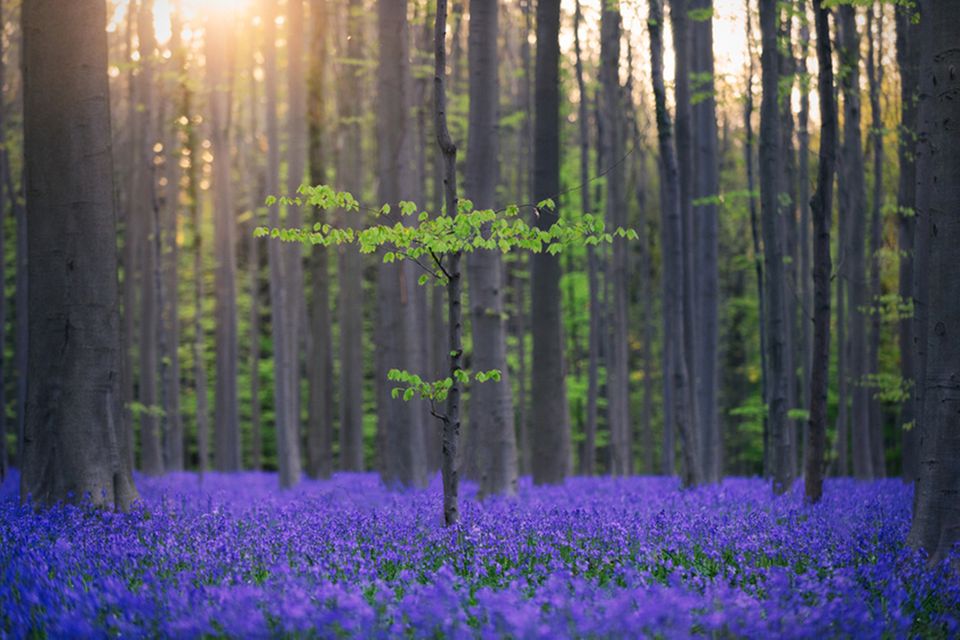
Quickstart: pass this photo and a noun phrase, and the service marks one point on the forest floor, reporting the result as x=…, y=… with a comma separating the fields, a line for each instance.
x=234, y=556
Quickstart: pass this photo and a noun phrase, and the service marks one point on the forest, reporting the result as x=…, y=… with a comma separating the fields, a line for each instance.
x=479, y=318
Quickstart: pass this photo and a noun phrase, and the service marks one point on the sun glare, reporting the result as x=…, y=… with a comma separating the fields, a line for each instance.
x=193, y=11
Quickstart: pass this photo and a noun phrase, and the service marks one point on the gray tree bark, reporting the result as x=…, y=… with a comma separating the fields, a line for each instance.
x=550, y=428
x=908, y=61
x=680, y=391
x=853, y=204
x=936, y=518
x=491, y=405
x=706, y=189
x=399, y=330
x=72, y=447
x=618, y=396
x=775, y=284
x=320, y=362
x=350, y=263
x=226, y=410
x=822, y=209
x=286, y=422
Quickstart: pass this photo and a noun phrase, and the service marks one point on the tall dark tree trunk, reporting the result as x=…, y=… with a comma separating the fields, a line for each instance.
x=936, y=518
x=805, y=274
x=682, y=46
x=226, y=410
x=550, y=425
x=320, y=362
x=822, y=208
x=143, y=208
x=399, y=331
x=296, y=331
x=491, y=405
x=775, y=285
x=853, y=205
x=758, y=254
x=680, y=391
x=588, y=459
x=908, y=61
x=618, y=396
x=705, y=191
x=350, y=263
x=875, y=78
x=72, y=447
x=286, y=422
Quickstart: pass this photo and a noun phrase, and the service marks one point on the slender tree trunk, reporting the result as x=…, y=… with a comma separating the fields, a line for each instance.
x=758, y=253
x=875, y=77
x=706, y=190
x=451, y=419
x=682, y=43
x=588, y=459
x=822, y=208
x=286, y=423
x=854, y=259
x=908, y=60
x=320, y=362
x=936, y=518
x=143, y=208
x=491, y=405
x=72, y=449
x=226, y=410
x=775, y=285
x=803, y=201
x=551, y=421
x=350, y=263
x=399, y=332
x=618, y=397
x=680, y=391
x=4, y=454
x=296, y=332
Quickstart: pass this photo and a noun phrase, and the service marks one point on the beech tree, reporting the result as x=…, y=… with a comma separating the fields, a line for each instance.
x=73, y=448
x=936, y=518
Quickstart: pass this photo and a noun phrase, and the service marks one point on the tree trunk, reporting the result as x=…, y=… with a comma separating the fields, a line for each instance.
x=72, y=447
x=936, y=518
x=680, y=390
x=618, y=397
x=491, y=405
x=853, y=204
x=350, y=263
x=875, y=77
x=286, y=422
x=399, y=331
x=4, y=454
x=226, y=418
x=803, y=201
x=770, y=170
x=551, y=421
x=908, y=60
x=706, y=190
x=142, y=210
x=320, y=363
x=755, y=235
x=588, y=459
x=822, y=208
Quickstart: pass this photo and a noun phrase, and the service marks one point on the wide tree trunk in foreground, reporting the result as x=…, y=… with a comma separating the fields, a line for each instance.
x=550, y=429
x=72, y=447
x=780, y=445
x=491, y=405
x=936, y=518
x=821, y=207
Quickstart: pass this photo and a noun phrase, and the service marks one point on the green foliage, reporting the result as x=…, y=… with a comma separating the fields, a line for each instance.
x=412, y=385
x=436, y=236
